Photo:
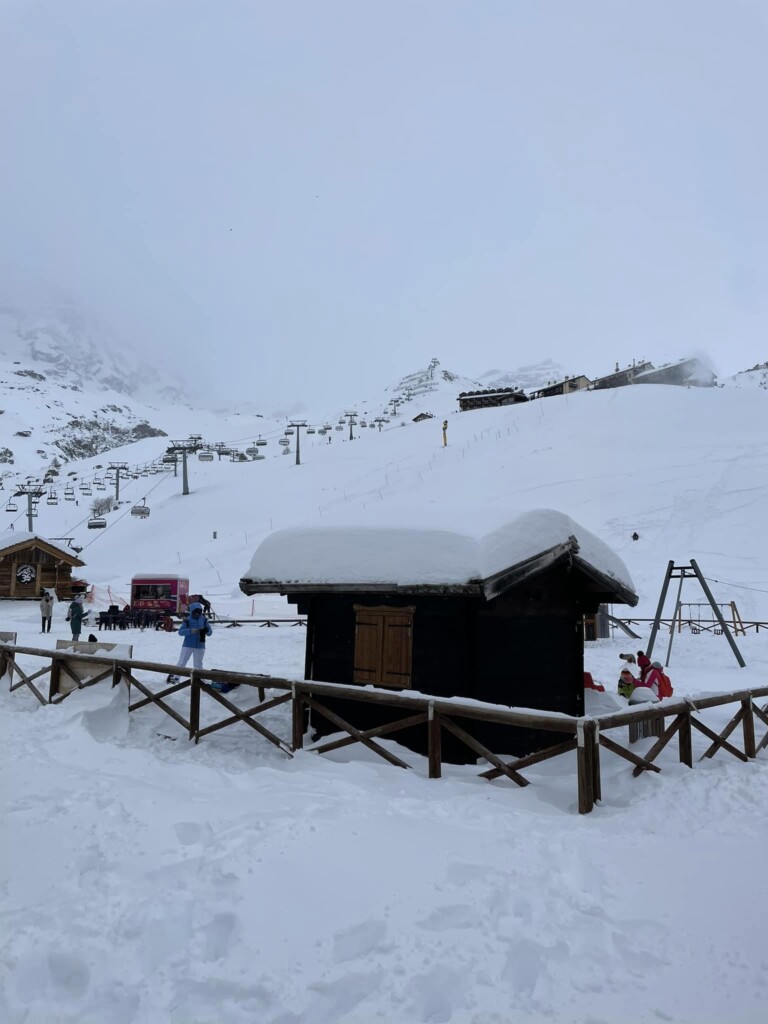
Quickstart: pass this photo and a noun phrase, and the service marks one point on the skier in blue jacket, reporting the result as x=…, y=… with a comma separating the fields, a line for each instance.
x=195, y=628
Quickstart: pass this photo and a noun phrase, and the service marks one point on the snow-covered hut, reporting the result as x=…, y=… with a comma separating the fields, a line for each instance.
x=496, y=618
x=30, y=565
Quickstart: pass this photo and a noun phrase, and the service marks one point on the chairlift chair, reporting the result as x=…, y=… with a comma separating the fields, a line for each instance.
x=311, y=430
x=141, y=511
x=205, y=457
x=11, y=507
x=253, y=451
x=97, y=523
x=288, y=431
x=261, y=442
x=85, y=489
x=169, y=459
x=284, y=442
x=52, y=499
x=363, y=423
x=69, y=494
x=339, y=426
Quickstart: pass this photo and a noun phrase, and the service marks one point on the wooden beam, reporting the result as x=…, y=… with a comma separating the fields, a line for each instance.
x=748, y=727
x=529, y=759
x=720, y=742
x=685, y=742
x=380, y=730
x=246, y=717
x=660, y=743
x=712, y=750
x=434, y=743
x=483, y=751
x=628, y=755
x=353, y=731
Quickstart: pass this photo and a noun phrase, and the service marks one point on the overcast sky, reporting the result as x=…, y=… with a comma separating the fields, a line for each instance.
x=293, y=198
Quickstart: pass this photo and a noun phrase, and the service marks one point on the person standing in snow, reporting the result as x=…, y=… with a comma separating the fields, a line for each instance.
x=46, y=611
x=75, y=616
x=195, y=628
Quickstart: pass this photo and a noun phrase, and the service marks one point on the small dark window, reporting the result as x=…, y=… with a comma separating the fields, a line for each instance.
x=383, y=646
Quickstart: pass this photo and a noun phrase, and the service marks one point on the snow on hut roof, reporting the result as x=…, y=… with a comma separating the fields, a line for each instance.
x=11, y=538
x=418, y=556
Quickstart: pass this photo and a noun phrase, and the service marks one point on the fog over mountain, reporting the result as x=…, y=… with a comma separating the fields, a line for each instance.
x=273, y=199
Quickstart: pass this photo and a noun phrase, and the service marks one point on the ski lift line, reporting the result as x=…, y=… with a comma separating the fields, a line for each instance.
x=119, y=518
x=739, y=586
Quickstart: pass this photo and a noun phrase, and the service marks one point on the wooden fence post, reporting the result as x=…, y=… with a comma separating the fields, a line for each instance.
x=297, y=709
x=748, y=726
x=53, y=685
x=194, y=706
x=685, y=744
x=117, y=675
x=434, y=730
x=586, y=731
x=597, y=788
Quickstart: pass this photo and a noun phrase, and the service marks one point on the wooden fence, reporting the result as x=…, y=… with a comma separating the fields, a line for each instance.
x=584, y=735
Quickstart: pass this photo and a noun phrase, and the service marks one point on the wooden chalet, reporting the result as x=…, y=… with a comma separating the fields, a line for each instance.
x=563, y=387
x=30, y=565
x=683, y=373
x=499, y=619
x=620, y=378
x=490, y=398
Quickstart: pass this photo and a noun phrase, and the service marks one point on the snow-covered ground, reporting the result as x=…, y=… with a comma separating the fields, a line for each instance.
x=150, y=880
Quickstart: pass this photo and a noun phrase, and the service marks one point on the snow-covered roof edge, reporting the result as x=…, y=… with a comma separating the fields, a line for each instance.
x=416, y=557
x=11, y=538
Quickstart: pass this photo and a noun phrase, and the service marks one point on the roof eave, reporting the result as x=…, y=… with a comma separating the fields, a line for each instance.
x=250, y=587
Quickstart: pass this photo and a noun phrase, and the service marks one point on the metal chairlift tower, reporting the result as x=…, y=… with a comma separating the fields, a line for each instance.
x=350, y=414
x=33, y=495
x=184, y=448
x=298, y=425
x=118, y=468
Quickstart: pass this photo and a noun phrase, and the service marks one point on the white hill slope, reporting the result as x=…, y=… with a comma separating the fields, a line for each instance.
x=151, y=881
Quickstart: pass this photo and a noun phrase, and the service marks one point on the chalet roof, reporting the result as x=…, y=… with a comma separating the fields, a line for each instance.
x=696, y=365
x=421, y=559
x=13, y=539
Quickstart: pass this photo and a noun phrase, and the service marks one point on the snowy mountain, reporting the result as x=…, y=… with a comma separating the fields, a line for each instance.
x=755, y=377
x=529, y=378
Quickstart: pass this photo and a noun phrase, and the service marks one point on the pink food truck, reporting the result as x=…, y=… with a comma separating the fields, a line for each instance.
x=157, y=592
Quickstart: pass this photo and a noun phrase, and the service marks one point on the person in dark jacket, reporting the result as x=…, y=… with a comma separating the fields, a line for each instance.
x=195, y=628
x=75, y=616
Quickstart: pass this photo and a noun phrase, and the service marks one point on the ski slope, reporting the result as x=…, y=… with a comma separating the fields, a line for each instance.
x=147, y=880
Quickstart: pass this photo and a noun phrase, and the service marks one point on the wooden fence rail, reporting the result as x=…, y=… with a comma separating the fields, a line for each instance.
x=584, y=735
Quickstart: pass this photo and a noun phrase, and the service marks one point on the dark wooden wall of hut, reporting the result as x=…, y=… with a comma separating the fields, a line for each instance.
x=523, y=649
